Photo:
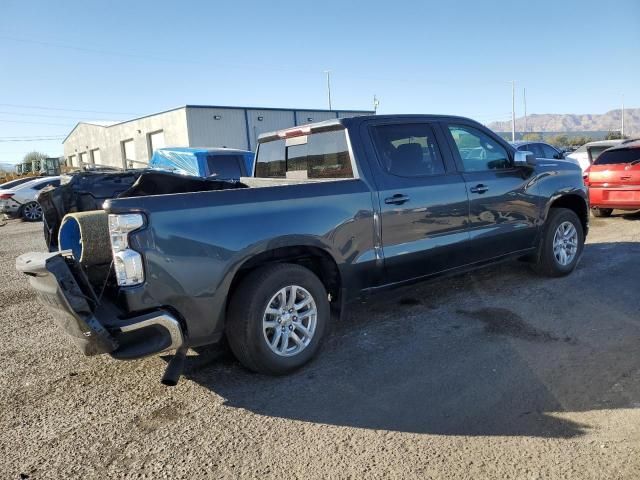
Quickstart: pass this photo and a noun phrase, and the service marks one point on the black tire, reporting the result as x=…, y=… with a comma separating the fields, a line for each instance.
x=31, y=212
x=601, y=212
x=244, y=327
x=545, y=262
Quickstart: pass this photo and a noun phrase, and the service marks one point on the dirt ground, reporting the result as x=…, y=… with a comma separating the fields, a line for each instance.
x=496, y=374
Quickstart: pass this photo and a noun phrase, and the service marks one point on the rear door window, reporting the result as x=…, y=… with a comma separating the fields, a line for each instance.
x=408, y=150
x=536, y=149
x=225, y=166
x=613, y=157
x=549, y=151
x=53, y=183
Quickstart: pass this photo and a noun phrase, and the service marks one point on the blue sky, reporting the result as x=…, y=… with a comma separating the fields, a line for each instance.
x=110, y=60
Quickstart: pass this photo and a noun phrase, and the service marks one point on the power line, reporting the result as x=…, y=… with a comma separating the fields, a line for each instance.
x=39, y=115
x=21, y=137
x=39, y=107
x=38, y=123
x=34, y=140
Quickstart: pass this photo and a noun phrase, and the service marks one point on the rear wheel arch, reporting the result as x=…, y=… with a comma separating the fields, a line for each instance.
x=319, y=261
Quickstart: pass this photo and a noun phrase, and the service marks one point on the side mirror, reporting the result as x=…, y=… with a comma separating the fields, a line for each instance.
x=524, y=159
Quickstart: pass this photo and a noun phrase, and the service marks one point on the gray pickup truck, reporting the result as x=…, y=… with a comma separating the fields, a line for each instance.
x=333, y=211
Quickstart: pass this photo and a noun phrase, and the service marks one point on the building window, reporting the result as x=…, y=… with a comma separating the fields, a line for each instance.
x=155, y=140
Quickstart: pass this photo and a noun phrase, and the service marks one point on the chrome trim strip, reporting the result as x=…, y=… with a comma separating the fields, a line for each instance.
x=165, y=320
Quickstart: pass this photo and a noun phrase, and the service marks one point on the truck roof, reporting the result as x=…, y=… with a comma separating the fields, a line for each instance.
x=337, y=123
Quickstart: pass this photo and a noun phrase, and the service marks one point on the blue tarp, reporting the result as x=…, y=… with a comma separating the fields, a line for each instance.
x=194, y=161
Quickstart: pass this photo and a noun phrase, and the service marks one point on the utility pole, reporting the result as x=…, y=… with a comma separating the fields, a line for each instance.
x=524, y=99
x=513, y=110
x=622, y=125
x=328, y=72
x=376, y=102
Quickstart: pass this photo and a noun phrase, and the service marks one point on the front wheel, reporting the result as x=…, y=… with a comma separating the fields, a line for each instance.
x=601, y=212
x=31, y=212
x=561, y=243
x=277, y=318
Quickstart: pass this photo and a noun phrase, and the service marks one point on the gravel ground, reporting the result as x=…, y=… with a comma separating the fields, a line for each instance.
x=495, y=374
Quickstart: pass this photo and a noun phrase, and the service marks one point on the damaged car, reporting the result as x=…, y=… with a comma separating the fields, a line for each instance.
x=334, y=211
x=87, y=190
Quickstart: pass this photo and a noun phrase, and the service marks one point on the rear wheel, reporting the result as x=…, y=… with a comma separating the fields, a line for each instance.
x=601, y=212
x=277, y=318
x=561, y=244
x=31, y=212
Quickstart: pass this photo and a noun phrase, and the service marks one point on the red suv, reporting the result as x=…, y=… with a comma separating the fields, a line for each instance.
x=614, y=179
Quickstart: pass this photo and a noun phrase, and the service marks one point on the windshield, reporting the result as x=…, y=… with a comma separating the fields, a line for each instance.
x=612, y=157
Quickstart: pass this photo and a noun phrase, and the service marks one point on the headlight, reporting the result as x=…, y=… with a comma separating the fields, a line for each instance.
x=127, y=262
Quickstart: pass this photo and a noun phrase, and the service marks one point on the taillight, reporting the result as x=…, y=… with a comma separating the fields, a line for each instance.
x=585, y=176
x=6, y=196
x=127, y=262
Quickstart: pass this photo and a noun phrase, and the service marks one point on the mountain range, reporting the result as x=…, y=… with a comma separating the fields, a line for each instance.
x=552, y=122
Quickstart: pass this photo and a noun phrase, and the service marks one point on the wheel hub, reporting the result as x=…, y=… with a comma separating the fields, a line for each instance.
x=289, y=320
x=565, y=243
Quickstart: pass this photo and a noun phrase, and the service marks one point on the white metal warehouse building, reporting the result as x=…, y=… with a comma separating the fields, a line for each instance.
x=131, y=143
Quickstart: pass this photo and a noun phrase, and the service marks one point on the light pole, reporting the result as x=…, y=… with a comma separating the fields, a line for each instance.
x=622, y=118
x=524, y=100
x=328, y=72
x=513, y=110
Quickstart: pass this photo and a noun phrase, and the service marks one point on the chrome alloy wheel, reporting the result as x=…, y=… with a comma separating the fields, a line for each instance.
x=565, y=243
x=289, y=321
x=32, y=211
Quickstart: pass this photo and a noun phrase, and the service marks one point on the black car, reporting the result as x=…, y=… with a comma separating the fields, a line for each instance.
x=335, y=210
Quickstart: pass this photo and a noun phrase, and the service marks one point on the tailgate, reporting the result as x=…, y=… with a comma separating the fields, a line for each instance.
x=64, y=290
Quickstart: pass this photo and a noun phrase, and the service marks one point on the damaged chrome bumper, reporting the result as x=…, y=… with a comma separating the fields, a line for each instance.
x=96, y=327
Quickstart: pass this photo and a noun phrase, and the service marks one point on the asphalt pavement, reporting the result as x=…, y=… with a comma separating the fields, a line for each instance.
x=495, y=374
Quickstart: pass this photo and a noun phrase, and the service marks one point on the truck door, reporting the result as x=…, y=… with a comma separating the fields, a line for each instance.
x=423, y=201
x=503, y=207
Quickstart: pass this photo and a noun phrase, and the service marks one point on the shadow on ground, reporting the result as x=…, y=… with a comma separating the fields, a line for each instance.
x=496, y=352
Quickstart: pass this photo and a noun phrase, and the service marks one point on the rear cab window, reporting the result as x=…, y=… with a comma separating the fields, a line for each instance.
x=321, y=155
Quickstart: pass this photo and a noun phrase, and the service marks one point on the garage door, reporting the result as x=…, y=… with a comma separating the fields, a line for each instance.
x=129, y=152
x=96, y=159
x=156, y=141
x=84, y=159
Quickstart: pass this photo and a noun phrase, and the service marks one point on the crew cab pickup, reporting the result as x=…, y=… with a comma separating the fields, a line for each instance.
x=335, y=210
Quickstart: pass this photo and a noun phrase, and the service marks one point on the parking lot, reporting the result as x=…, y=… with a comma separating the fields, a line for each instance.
x=495, y=374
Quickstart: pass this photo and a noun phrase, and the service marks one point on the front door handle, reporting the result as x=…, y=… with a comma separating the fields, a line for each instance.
x=397, y=199
x=480, y=188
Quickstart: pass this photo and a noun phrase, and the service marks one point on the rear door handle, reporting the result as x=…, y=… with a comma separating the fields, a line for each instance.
x=480, y=188
x=397, y=199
